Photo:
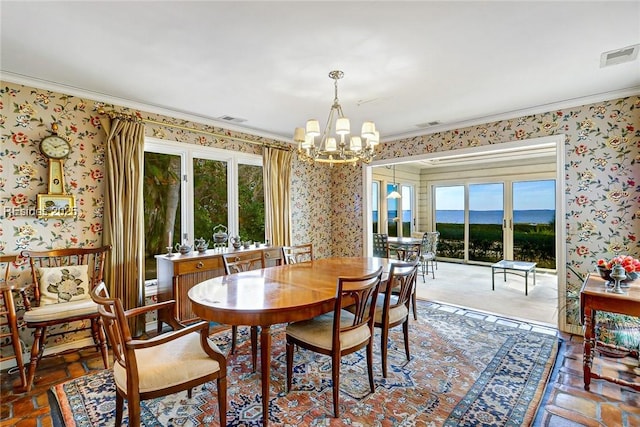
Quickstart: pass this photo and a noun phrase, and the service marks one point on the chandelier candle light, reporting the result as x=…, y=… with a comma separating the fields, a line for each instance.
x=333, y=148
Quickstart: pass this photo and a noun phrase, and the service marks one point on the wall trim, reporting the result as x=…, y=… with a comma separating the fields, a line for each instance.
x=157, y=109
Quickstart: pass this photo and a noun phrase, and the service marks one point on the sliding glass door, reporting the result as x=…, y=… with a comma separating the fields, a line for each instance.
x=487, y=222
x=486, y=215
x=449, y=203
x=534, y=221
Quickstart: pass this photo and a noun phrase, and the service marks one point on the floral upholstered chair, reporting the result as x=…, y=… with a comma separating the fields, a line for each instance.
x=62, y=281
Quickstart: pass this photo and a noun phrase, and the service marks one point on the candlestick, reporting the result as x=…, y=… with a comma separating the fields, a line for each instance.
x=170, y=240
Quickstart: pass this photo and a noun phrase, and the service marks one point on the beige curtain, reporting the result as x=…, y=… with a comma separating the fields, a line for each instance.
x=123, y=214
x=277, y=184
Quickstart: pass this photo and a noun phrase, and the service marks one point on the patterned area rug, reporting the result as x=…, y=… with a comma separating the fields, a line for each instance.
x=464, y=371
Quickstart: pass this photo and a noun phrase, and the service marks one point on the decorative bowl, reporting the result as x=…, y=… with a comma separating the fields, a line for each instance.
x=606, y=275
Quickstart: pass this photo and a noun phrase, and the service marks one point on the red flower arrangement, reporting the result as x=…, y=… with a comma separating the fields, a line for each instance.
x=630, y=264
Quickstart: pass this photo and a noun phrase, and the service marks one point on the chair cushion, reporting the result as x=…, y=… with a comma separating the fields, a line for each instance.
x=169, y=364
x=61, y=311
x=63, y=284
x=319, y=331
x=395, y=313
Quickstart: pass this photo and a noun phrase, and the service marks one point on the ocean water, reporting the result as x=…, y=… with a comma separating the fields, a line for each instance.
x=534, y=216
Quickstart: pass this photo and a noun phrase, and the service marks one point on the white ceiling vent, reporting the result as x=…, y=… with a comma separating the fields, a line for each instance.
x=428, y=124
x=618, y=56
x=232, y=119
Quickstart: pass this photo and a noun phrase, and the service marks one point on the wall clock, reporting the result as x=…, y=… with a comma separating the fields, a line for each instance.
x=56, y=203
x=56, y=149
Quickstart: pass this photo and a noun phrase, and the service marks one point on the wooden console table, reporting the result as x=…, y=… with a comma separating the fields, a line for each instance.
x=179, y=273
x=595, y=296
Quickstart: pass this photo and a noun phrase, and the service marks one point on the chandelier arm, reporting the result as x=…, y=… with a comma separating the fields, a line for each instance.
x=340, y=152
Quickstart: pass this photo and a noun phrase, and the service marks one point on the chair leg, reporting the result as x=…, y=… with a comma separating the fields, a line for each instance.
x=119, y=408
x=414, y=303
x=335, y=376
x=290, y=348
x=100, y=340
x=36, y=354
x=254, y=347
x=133, y=404
x=405, y=330
x=222, y=400
x=424, y=268
x=370, y=365
x=433, y=270
x=234, y=332
x=384, y=338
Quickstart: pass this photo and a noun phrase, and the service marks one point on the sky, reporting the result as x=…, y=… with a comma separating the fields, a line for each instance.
x=527, y=195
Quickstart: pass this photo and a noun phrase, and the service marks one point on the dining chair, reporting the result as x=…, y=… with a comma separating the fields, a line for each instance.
x=428, y=251
x=381, y=245
x=236, y=262
x=62, y=280
x=392, y=308
x=9, y=325
x=341, y=331
x=298, y=253
x=165, y=364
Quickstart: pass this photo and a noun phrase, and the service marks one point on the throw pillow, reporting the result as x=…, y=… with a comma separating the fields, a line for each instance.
x=63, y=284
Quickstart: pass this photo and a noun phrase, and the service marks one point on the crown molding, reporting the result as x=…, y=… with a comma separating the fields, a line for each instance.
x=157, y=109
x=529, y=111
x=134, y=105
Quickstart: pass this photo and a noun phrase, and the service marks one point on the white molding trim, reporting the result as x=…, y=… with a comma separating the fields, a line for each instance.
x=529, y=111
x=183, y=115
x=136, y=105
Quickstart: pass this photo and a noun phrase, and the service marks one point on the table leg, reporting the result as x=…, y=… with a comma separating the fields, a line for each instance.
x=493, y=279
x=526, y=283
x=265, y=361
x=587, y=355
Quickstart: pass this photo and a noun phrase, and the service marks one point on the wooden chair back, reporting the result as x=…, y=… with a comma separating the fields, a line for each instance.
x=236, y=262
x=94, y=258
x=402, y=279
x=360, y=294
x=298, y=253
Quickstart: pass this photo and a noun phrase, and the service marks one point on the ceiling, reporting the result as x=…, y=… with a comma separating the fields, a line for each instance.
x=264, y=65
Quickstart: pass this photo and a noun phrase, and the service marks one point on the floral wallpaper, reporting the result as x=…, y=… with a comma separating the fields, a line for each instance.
x=602, y=175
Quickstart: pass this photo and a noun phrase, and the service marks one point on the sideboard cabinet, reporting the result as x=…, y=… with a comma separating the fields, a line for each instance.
x=179, y=273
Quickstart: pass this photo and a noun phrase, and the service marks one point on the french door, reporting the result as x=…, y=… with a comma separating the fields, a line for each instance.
x=483, y=222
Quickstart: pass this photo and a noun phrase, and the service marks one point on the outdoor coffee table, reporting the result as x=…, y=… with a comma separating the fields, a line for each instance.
x=519, y=268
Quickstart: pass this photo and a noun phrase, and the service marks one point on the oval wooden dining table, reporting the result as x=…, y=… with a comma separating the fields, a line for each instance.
x=274, y=295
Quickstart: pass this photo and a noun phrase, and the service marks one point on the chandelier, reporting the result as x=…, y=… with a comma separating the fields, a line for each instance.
x=335, y=144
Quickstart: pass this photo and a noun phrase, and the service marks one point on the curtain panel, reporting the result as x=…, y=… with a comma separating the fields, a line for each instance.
x=277, y=187
x=124, y=214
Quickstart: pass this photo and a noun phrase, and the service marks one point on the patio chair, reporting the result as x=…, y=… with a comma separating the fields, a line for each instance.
x=380, y=245
x=428, y=251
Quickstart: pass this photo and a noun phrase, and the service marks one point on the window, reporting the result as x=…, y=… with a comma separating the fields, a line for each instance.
x=375, y=202
x=189, y=190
